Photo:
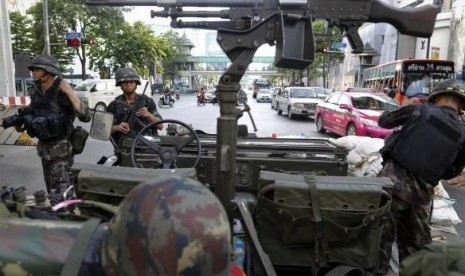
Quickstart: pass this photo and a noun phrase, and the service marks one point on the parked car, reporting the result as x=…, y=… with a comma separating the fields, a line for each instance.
x=264, y=95
x=241, y=97
x=354, y=113
x=322, y=92
x=361, y=89
x=210, y=95
x=297, y=101
x=274, y=93
x=97, y=93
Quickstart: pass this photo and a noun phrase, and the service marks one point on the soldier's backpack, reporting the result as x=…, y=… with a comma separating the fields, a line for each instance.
x=306, y=223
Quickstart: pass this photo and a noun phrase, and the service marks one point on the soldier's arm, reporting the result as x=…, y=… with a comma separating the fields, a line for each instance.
x=150, y=113
x=391, y=119
x=81, y=109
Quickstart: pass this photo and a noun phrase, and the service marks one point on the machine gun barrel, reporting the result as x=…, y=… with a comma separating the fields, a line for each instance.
x=224, y=14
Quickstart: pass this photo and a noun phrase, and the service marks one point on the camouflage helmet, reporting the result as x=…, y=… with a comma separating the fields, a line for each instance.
x=46, y=62
x=126, y=74
x=451, y=87
x=168, y=226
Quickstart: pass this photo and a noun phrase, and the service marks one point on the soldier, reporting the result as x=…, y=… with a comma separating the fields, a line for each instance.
x=125, y=107
x=429, y=147
x=174, y=227
x=50, y=117
x=169, y=226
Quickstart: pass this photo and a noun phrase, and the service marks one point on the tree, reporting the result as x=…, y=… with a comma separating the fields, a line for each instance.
x=175, y=58
x=74, y=16
x=117, y=43
x=21, y=33
x=136, y=45
x=319, y=68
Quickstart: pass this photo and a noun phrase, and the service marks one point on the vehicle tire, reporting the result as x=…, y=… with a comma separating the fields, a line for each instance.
x=319, y=124
x=101, y=107
x=351, y=129
x=160, y=103
x=280, y=112
x=171, y=103
x=289, y=113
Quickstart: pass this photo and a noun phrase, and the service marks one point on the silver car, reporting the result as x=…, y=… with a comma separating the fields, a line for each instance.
x=274, y=93
x=264, y=96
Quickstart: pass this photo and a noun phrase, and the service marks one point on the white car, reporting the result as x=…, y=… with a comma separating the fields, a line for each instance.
x=274, y=93
x=297, y=101
x=99, y=93
x=264, y=95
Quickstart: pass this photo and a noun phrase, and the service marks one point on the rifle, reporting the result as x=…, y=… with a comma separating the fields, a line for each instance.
x=248, y=24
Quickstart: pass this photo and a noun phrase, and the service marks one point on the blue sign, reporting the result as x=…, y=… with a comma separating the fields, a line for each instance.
x=73, y=35
x=338, y=45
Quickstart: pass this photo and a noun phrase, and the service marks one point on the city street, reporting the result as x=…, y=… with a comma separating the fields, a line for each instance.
x=21, y=166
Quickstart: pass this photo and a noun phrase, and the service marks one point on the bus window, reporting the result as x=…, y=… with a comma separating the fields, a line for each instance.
x=414, y=78
x=416, y=84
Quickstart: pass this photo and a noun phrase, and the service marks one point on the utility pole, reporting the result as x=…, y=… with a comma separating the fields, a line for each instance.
x=46, y=31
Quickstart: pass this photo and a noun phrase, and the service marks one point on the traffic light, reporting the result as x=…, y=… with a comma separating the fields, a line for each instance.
x=89, y=41
x=321, y=50
x=73, y=42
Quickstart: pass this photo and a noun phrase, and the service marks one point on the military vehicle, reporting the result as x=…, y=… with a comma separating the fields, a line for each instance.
x=298, y=212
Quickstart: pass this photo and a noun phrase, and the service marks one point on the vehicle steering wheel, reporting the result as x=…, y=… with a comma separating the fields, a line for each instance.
x=167, y=154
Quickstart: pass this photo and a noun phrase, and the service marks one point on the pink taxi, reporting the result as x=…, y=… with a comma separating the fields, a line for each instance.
x=354, y=113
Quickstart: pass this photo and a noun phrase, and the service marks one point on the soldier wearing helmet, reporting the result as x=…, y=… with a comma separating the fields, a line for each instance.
x=50, y=117
x=428, y=147
x=131, y=106
x=171, y=226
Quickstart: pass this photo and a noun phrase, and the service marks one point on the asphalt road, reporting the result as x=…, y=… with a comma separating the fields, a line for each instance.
x=21, y=166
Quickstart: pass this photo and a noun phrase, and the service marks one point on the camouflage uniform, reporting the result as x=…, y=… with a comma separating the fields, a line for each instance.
x=124, y=112
x=56, y=153
x=171, y=226
x=41, y=247
x=412, y=196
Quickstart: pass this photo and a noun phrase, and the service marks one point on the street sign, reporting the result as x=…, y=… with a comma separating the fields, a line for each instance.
x=338, y=45
x=72, y=35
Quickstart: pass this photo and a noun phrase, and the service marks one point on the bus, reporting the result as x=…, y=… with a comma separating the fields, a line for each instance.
x=410, y=80
x=259, y=84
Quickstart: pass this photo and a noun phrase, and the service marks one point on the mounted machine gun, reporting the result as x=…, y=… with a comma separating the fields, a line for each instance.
x=242, y=28
x=248, y=24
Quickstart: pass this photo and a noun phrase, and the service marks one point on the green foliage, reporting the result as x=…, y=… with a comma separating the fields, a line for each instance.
x=175, y=59
x=118, y=43
x=21, y=33
x=133, y=44
x=324, y=40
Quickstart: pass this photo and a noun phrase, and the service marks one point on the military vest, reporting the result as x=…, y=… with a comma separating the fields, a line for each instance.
x=429, y=145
